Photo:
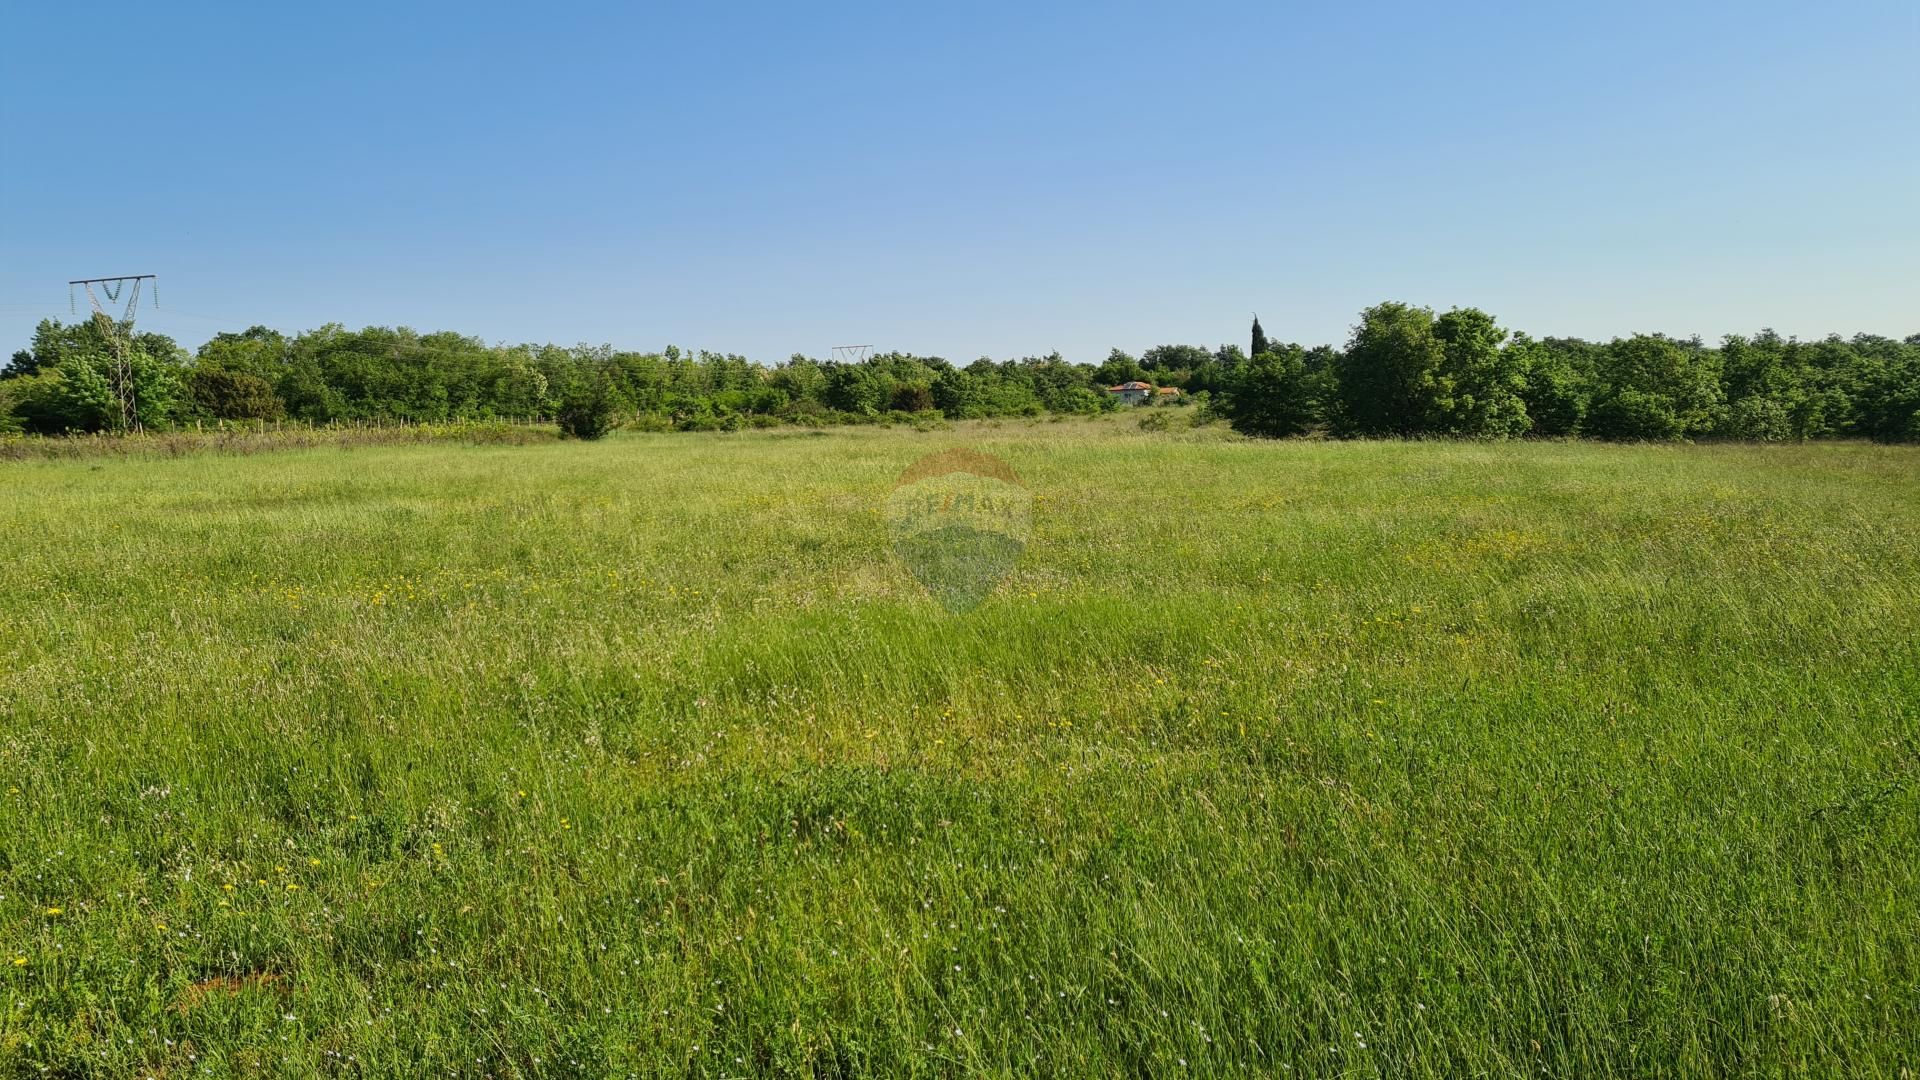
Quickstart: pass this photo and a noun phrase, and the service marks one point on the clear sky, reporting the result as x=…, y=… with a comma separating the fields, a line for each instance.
x=963, y=179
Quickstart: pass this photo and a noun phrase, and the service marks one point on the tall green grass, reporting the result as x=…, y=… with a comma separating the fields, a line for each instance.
x=648, y=757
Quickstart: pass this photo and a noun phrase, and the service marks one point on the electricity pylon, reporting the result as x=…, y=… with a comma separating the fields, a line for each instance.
x=122, y=343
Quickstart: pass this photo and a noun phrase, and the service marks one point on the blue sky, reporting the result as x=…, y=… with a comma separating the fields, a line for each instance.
x=964, y=180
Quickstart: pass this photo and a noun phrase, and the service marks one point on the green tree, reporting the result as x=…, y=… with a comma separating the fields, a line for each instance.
x=215, y=393
x=587, y=409
x=1653, y=387
x=853, y=388
x=1888, y=402
x=1479, y=384
x=909, y=397
x=955, y=394
x=256, y=350
x=1119, y=367
x=1175, y=358
x=1556, y=389
x=1388, y=379
x=1271, y=395
x=85, y=398
x=54, y=342
x=1259, y=343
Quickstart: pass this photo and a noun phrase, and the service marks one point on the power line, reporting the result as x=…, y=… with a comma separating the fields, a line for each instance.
x=122, y=344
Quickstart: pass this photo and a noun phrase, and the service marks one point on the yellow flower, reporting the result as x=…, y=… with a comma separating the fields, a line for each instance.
x=291, y=887
x=160, y=926
x=55, y=911
x=313, y=862
x=228, y=887
x=19, y=961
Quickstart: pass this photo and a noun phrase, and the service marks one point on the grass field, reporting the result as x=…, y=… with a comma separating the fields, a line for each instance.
x=648, y=757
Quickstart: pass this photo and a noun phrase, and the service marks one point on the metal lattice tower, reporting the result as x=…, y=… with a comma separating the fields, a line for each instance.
x=851, y=354
x=122, y=343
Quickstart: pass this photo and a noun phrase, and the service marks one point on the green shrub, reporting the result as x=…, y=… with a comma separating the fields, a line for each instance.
x=218, y=394
x=1765, y=419
x=909, y=398
x=1633, y=415
x=587, y=411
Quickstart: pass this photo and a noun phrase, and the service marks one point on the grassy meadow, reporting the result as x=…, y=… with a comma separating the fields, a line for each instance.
x=648, y=757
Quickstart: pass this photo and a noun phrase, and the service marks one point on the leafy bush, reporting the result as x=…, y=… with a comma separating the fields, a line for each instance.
x=1765, y=419
x=1635, y=414
x=587, y=411
x=912, y=399
x=218, y=394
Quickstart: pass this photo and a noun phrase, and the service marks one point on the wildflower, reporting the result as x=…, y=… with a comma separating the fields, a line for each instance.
x=313, y=862
x=52, y=911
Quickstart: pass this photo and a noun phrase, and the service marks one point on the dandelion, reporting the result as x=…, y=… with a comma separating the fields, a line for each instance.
x=19, y=961
x=313, y=862
x=53, y=911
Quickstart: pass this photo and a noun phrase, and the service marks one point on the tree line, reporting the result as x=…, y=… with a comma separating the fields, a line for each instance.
x=1404, y=371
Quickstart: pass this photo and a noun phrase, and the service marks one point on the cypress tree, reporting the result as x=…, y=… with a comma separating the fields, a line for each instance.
x=1259, y=338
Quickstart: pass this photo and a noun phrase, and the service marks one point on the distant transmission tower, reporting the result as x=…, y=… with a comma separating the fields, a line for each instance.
x=851, y=354
x=122, y=343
